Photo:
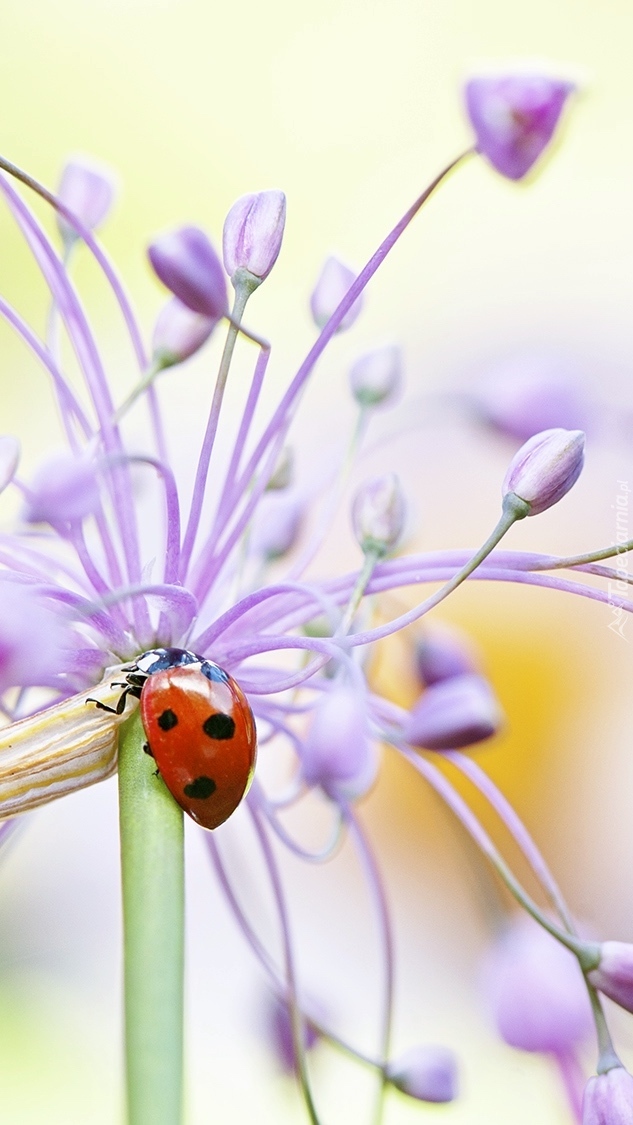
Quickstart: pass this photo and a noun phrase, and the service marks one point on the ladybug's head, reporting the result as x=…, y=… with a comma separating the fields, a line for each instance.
x=157, y=659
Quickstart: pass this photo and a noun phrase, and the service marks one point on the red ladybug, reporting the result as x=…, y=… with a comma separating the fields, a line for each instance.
x=200, y=730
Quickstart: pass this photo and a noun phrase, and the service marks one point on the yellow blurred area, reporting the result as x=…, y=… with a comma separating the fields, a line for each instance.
x=350, y=106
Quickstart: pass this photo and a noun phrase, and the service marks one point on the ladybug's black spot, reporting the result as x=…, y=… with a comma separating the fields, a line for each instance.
x=219, y=726
x=168, y=720
x=200, y=789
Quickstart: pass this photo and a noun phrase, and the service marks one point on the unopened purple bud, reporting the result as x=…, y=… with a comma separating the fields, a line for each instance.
x=529, y=394
x=334, y=281
x=608, y=1098
x=454, y=713
x=179, y=333
x=514, y=117
x=614, y=974
x=443, y=653
x=64, y=490
x=277, y=525
x=537, y=993
x=338, y=753
x=545, y=468
x=31, y=638
x=426, y=1073
x=280, y=1030
x=253, y=232
x=9, y=459
x=187, y=264
x=378, y=514
x=376, y=377
x=88, y=191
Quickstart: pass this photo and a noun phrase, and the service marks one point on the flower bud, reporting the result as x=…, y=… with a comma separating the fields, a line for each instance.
x=514, y=117
x=375, y=377
x=454, y=713
x=253, y=231
x=443, y=653
x=9, y=459
x=378, y=514
x=187, y=264
x=338, y=753
x=426, y=1073
x=614, y=974
x=608, y=1098
x=531, y=393
x=64, y=490
x=31, y=639
x=179, y=333
x=545, y=468
x=334, y=281
x=537, y=994
x=277, y=525
x=279, y=1027
x=87, y=190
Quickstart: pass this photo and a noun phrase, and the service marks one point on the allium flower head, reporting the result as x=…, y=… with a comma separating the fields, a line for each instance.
x=514, y=118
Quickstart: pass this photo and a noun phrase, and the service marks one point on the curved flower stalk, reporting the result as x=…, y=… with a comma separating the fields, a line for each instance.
x=76, y=571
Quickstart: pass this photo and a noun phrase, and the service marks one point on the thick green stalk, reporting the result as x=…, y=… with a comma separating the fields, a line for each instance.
x=152, y=864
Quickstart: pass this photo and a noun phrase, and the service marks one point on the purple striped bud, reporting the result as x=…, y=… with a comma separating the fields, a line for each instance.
x=538, y=998
x=187, y=264
x=545, y=468
x=64, y=490
x=253, y=232
x=376, y=377
x=442, y=653
x=338, y=753
x=9, y=459
x=514, y=118
x=378, y=514
x=179, y=333
x=608, y=1098
x=333, y=283
x=614, y=973
x=454, y=713
x=426, y=1073
x=87, y=190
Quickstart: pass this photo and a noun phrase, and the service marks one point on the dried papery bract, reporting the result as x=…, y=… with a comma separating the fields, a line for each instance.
x=253, y=233
x=514, y=117
x=453, y=713
x=608, y=1098
x=187, y=264
x=427, y=1073
x=545, y=468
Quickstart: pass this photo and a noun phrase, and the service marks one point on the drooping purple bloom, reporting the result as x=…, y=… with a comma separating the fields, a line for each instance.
x=442, y=653
x=452, y=713
x=187, y=264
x=179, y=333
x=514, y=118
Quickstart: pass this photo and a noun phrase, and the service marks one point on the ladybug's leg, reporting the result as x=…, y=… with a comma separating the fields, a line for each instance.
x=120, y=707
x=147, y=749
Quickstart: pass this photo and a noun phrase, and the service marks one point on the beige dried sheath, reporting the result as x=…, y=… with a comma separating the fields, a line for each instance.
x=64, y=748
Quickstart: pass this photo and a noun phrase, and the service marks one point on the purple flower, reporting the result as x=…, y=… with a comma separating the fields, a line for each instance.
x=338, y=752
x=536, y=992
x=545, y=468
x=427, y=1073
x=608, y=1098
x=179, y=333
x=442, y=653
x=532, y=393
x=376, y=376
x=378, y=514
x=453, y=713
x=514, y=118
x=333, y=283
x=253, y=233
x=187, y=264
x=88, y=191
x=614, y=974
x=65, y=489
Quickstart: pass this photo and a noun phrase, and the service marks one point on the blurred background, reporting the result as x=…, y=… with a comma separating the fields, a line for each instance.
x=350, y=107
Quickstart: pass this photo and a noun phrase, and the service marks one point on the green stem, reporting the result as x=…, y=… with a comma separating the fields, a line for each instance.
x=152, y=863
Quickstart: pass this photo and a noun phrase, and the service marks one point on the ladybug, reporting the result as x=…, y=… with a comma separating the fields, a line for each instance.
x=200, y=730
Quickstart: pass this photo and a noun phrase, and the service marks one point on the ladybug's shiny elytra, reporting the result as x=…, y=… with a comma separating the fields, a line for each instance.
x=199, y=727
